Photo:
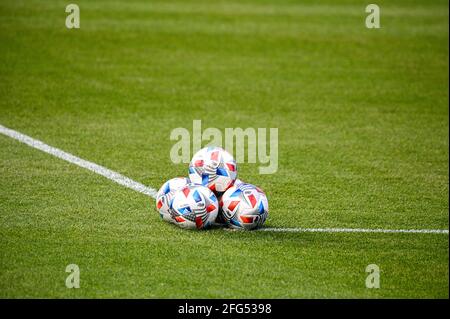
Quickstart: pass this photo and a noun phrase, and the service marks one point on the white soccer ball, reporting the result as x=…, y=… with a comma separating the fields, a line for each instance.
x=214, y=168
x=165, y=195
x=194, y=207
x=244, y=207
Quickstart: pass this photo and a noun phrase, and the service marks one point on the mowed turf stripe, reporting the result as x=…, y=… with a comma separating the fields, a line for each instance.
x=98, y=169
x=127, y=182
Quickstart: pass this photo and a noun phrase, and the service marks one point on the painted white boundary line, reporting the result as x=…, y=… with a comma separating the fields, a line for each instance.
x=114, y=176
x=355, y=230
x=127, y=182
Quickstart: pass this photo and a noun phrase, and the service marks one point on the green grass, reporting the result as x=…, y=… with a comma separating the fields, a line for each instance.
x=363, y=142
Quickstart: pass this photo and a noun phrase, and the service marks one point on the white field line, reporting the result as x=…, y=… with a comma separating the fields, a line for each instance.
x=127, y=182
x=355, y=230
x=114, y=176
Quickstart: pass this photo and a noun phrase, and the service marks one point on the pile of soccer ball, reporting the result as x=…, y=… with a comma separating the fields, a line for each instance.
x=212, y=195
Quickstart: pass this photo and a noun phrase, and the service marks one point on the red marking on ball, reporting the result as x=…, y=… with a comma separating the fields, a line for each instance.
x=233, y=205
x=231, y=167
x=215, y=155
x=247, y=219
x=198, y=222
x=180, y=219
x=198, y=163
x=252, y=200
x=210, y=208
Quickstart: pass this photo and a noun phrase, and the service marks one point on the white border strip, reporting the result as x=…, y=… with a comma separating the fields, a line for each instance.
x=114, y=176
x=127, y=182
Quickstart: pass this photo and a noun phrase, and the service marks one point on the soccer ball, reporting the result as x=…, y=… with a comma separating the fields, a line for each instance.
x=214, y=168
x=194, y=207
x=165, y=195
x=244, y=207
